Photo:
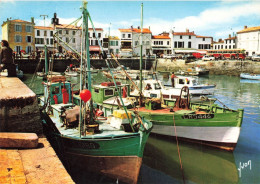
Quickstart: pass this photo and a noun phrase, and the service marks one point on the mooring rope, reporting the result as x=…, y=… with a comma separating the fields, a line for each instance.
x=182, y=172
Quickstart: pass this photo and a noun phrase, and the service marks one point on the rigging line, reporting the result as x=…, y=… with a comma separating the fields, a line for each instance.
x=120, y=95
x=182, y=172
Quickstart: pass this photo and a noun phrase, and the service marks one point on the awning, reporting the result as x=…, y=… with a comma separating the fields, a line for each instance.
x=161, y=49
x=94, y=48
x=184, y=51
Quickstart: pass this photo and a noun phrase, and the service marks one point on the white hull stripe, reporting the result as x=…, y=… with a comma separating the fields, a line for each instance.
x=212, y=134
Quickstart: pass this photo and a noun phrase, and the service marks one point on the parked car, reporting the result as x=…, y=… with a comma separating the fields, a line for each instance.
x=169, y=56
x=125, y=54
x=208, y=58
x=256, y=57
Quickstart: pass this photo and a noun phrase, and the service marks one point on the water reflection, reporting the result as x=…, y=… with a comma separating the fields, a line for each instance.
x=200, y=164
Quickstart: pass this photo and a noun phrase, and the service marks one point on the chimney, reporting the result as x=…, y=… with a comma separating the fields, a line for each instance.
x=245, y=27
x=219, y=40
x=149, y=27
x=229, y=36
x=138, y=27
x=187, y=30
x=132, y=28
x=32, y=20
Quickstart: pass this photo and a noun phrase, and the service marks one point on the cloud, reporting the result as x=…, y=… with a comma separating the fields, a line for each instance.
x=225, y=16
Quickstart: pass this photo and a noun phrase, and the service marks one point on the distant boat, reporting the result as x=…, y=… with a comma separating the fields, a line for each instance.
x=250, y=76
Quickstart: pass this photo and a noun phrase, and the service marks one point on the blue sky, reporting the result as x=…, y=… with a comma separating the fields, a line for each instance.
x=206, y=18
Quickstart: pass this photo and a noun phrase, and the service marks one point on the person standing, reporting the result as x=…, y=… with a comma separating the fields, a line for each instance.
x=6, y=59
x=172, y=79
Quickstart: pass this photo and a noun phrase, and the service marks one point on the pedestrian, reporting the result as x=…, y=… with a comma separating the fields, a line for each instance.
x=172, y=79
x=6, y=59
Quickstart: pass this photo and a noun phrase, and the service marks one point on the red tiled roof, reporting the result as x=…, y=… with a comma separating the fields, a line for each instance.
x=145, y=30
x=184, y=33
x=249, y=29
x=218, y=42
x=67, y=26
x=42, y=27
x=160, y=37
x=231, y=38
x=21, y=21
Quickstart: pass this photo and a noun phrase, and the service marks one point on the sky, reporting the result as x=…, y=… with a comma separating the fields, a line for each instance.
x=206, y=18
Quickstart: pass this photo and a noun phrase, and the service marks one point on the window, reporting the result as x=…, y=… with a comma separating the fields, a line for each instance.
x=181, y=37
x=18, y=38
x=28, y=49
x=180, y=44
x=51, y=41
x=229, y=41
x=51, y=33
x=189, y=37
x=175, y=44
x=94, y=35
x=60, y=31
x=28, y=29
x=96, y=42
x=123, y=35
x=109, y=92
x=203, y=39
x=116, y=43
x=117, y=51
x=67, y=40
x=38, y=33
x=67, y=31
x=41, y=40
x=18, y=28
x=99, y=35
x=168, y=42
x=129, y=35
x=47, y=41
x=136, y=42
x=73, y=40
x=73, y=32
x=229, y=46
x=189, y=44
x=45, y=33
x=28, y=39
x=18, y=48
x=91, y=42
x=221, y=46
x=96, y=90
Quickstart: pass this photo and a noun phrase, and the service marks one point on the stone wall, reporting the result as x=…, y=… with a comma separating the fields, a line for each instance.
x=19, y=110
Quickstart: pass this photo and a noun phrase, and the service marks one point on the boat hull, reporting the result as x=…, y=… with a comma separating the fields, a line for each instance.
x=123, y=168
x=220, y=129
x=220, y=137
x=249, y=76
x=118, y=156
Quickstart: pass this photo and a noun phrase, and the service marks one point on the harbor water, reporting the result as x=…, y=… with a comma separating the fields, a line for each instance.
x=200, y=164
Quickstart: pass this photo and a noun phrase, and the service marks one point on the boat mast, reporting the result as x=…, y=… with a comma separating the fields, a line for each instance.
x=141, y=56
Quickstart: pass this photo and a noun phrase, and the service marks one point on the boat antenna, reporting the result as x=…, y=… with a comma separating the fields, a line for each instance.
x=141, y=56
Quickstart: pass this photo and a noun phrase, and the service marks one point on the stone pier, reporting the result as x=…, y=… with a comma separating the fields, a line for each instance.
x=19, y=110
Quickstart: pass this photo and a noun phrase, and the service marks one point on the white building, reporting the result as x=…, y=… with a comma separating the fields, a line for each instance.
x=218, y=45
x=230, y=42
x=69, y=34
x=161, y=44
x=249, y=39
x=114, y=44
x=43, y=35
x=187, y=42
x=93, y=40
x=130, y=41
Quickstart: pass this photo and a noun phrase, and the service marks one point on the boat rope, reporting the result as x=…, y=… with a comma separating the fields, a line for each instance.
x=179, y=153
x=105, y=58
x=32, y=82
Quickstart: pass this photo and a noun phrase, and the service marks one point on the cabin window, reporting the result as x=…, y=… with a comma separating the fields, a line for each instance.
x=166, y=96
x=96, y=90
x=153, y=95
x=157, y=86
x=109, y=92
x=56, y=90
x=181, y=81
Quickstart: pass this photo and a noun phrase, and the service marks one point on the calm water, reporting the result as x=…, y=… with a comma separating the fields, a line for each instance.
x=203, y=164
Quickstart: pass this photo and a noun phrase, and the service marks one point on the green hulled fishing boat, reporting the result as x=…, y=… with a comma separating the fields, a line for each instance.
x=111, y=146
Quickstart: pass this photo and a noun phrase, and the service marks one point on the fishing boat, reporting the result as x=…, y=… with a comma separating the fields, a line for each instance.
x=112, y=146
x=197, y=122
x=208, y=124
x=250, y=76
x=70, y=72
